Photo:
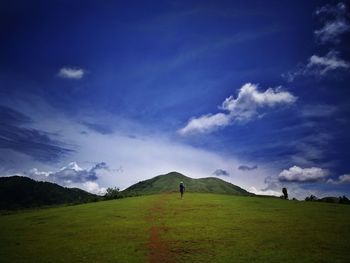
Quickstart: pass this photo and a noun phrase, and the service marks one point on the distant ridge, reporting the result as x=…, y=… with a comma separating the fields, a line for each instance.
x=170, y=183
x=22, y=192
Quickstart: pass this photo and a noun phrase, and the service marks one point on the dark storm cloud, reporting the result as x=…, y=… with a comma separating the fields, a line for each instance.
x=221, y=172
x=247, y=168
x=32, y=142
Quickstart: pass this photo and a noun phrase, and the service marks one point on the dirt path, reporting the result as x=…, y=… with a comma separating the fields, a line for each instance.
x=158, y=248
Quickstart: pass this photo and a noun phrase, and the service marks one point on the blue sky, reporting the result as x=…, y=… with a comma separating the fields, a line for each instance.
x=107, y=94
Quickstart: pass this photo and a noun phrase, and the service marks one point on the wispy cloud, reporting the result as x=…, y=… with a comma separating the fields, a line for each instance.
x=302, y=175
x=13, y=117
x=99, y=127
x=319, y=66
x=335, y=23
x=331, y=31
x=71, y=73
x=35, y=143
x=318, y=110
x=247, y=106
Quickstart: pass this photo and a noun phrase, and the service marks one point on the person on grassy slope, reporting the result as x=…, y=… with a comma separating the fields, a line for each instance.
x=182, y=189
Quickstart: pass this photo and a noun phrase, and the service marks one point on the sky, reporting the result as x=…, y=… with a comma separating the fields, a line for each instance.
x=98, y=94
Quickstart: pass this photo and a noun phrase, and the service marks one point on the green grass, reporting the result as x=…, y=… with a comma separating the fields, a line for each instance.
x=109, y=231
x=199, y=228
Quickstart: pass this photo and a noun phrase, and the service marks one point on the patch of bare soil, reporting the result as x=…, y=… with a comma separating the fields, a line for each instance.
x=159, y=251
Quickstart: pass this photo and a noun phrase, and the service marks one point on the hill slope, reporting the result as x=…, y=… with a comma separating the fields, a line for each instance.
x=165, y=228
x=170, y=183
x=19, y=192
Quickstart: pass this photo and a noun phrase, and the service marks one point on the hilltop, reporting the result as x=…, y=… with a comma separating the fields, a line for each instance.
x=170, y=183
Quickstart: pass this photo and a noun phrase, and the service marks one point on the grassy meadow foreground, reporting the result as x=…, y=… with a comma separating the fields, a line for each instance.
x=164, y=228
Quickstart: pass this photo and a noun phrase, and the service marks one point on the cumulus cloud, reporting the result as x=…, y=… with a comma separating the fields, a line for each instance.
x=343, y=179
x=71, y=73
x=303, y=175
x=247, y=168
x=72, y=175
x=253, y=190
x=334, y=23
x=92, y=187
x=319, y=66
x=248, y=105
x=221, y=172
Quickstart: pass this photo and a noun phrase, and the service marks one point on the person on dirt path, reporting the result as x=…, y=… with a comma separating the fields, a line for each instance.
x=182, y=189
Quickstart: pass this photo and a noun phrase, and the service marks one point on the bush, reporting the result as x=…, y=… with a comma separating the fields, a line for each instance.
x=113, y=193
x=344, y=200
x=311, y=198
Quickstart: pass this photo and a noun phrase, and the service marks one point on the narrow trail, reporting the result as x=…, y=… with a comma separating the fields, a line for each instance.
x=159, y=251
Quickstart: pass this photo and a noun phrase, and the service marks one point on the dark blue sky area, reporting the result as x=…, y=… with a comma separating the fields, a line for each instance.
x=165, y=67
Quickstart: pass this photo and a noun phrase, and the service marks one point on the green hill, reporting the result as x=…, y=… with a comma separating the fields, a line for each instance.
x=23, y=192
x=170, y=183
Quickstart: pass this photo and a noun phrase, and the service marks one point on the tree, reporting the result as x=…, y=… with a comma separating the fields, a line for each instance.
x=285, y=193
x=311, y=198
x=112, y=193
x=344, y=200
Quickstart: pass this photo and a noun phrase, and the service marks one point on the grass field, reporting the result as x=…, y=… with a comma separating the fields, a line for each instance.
x=163, y=228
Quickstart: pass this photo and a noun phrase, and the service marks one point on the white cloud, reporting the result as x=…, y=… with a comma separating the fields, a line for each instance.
x=335, y=23
x=331, y=30
x=253, y=190
x=243, y=108
x=38, y=175
x=343, y=179
x=92, y=187
x=319, y=66
x=72, y=175
x=206, y=123
x=71, y=73
x=249, y=96
x=298, y=174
